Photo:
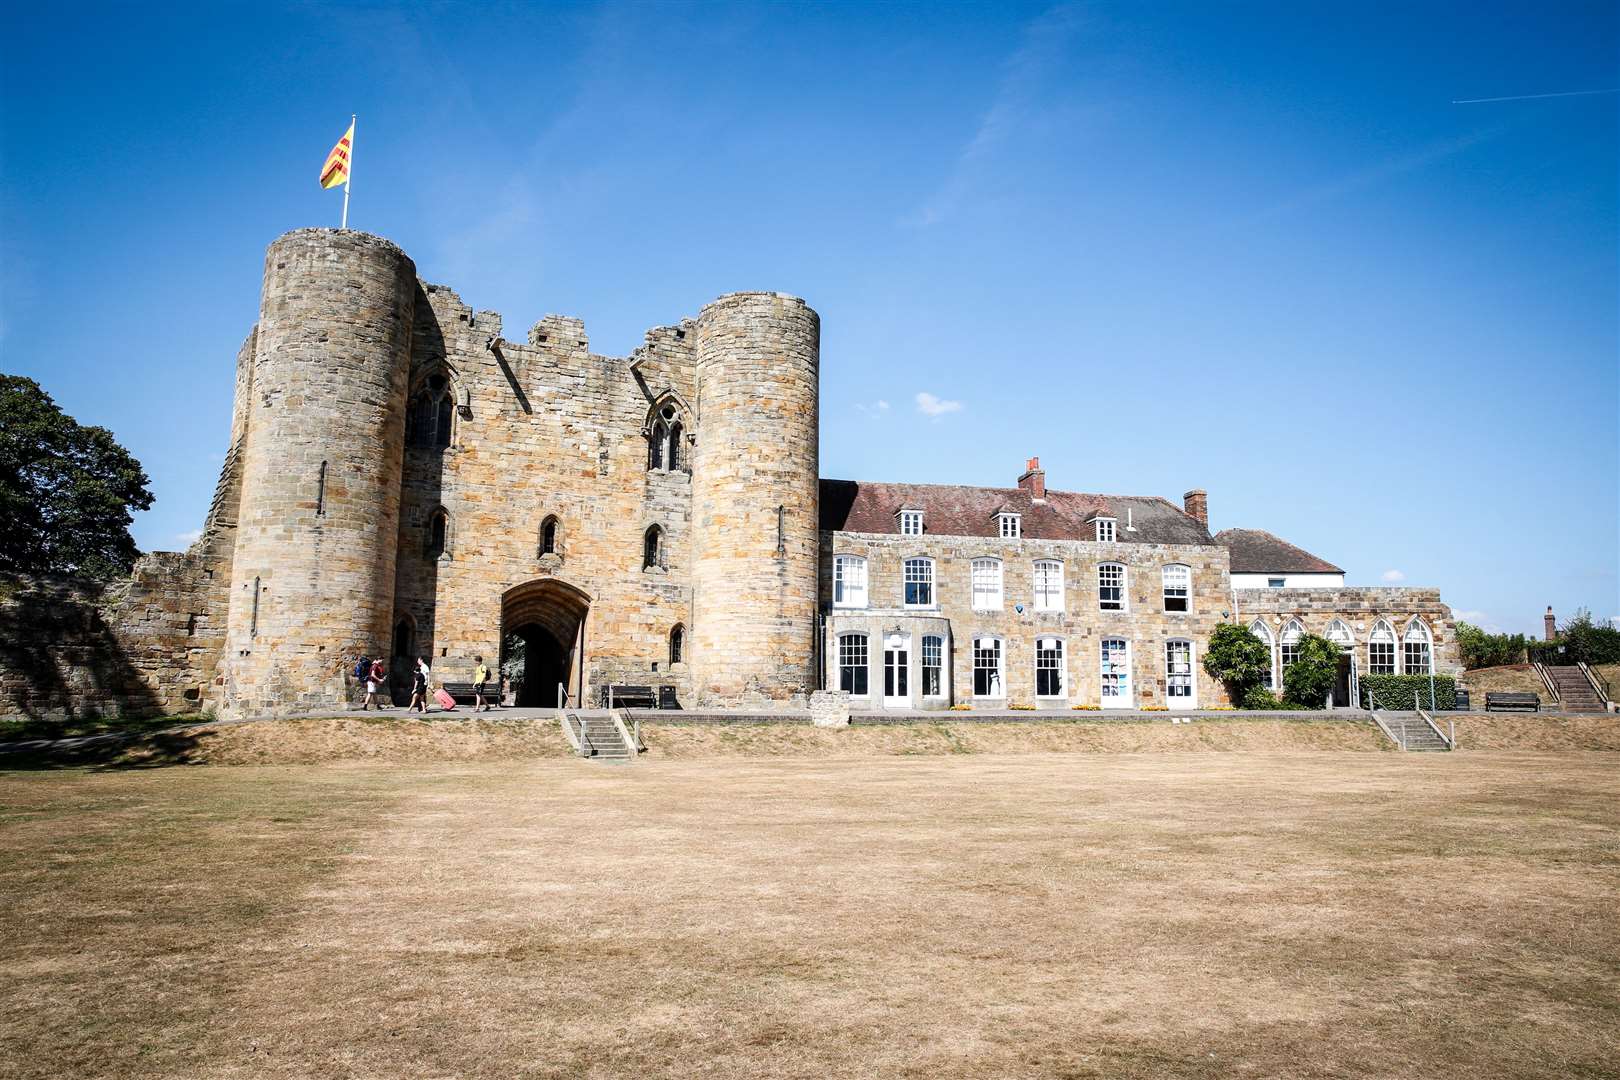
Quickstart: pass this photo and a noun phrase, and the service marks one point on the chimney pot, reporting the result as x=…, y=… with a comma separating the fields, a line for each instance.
x=1549, y=625
x=1196, y=503
x=1034, y=480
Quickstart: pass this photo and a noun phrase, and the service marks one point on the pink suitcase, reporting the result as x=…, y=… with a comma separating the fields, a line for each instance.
x=443, y=697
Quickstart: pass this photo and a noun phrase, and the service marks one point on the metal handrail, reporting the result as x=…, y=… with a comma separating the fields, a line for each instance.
x=1383, y=726
x=1546, y=679
x=1599, y=683
x=1451, y=742
x=582, y=744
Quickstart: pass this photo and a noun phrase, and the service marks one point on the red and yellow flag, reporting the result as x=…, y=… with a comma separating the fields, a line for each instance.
x=336, y=169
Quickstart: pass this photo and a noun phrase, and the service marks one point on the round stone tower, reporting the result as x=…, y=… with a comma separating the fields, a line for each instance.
x=313, y=572
x=755, y=477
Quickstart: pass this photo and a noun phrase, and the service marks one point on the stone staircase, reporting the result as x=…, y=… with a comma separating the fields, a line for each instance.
x=1414, y=732
x=600, y=740
x=1575, y=694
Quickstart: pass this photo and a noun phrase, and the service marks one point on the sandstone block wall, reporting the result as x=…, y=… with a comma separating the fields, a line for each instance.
x=1360, y=608
x=1081, y=624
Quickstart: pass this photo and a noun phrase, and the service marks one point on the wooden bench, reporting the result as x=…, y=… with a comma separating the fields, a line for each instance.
x=463, y=693
x=1499, y=702
x=629, y=697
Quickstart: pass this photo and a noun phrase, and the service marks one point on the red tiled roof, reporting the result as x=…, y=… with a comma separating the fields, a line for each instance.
x=1255, y=551
x=954, y=510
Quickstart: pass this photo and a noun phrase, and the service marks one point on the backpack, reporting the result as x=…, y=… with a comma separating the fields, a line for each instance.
x=362, y=668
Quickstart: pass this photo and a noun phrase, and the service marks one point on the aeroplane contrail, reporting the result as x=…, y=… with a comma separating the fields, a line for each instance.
x=1531, y=97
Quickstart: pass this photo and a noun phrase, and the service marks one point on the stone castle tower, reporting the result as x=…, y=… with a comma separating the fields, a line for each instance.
x=408, y=483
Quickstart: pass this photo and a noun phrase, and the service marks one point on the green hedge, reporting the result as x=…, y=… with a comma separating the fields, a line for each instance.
x=1395, y=691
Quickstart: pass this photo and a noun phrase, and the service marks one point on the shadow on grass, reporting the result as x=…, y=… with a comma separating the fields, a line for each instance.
x=110, y=752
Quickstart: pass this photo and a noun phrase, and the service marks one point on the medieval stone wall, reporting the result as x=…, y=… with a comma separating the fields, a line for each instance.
x=1081, y=624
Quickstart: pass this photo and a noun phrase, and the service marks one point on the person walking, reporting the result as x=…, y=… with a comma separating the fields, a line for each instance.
x=375, y=677
x=419, y=685
x=480, y=678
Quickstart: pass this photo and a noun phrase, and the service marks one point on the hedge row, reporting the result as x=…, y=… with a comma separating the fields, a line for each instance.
x=1396, y=691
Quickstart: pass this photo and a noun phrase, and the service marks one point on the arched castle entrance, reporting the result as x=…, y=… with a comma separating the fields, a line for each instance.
x=549, y=617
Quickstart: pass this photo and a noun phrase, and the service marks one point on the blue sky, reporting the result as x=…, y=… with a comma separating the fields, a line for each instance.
x=1250, y=248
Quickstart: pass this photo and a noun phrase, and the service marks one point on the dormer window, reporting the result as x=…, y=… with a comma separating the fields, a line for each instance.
x=1105, y=529
x=911, y=522
x=1011, y=526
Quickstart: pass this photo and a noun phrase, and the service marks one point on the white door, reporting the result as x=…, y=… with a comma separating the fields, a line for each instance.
x=897, y=672
x=1116, y=673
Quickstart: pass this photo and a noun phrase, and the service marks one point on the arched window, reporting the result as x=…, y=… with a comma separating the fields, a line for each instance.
x=664, y=453
x=1381, y=649
x=677, y=645
x=1177, y=586
x=438, y=534
x=852, y=658
x=652, y=548
x=1049, y=667
x=1111, y=587
x=1338, y=633
x=1288, y=643
x=1048, y=585
x=986, y=584
x=1260, y=630
x=548, y=535
x=1415, y=651
x=431, y=417
x=404, y=636
x=919, y=583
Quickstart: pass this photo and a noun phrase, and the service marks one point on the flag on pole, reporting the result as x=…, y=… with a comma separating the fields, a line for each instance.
x=336, y=169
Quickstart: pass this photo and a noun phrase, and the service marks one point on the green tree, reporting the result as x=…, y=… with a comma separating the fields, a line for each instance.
x=66, y=490
x=1307, y=681
x=1479, y=649
x=1237, y=658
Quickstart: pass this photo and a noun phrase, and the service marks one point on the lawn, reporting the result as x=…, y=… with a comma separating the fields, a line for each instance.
x=1319, y=914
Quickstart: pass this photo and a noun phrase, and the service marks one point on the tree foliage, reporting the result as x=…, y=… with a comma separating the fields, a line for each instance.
x=66, y=490
x=1580, y=640
x=1480, y=649
x=1237, y=658
x=1309, y=679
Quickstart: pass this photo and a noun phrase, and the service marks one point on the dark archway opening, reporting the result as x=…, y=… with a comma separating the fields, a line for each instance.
x=548, y=618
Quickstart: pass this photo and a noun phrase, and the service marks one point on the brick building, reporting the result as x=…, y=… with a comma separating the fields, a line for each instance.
x=403, y=480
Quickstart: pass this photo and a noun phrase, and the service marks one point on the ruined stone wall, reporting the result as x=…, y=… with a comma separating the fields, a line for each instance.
x=756, y=493
x=313, y=574
x=547, y=427
x=1360, y=608
x=1081, y=624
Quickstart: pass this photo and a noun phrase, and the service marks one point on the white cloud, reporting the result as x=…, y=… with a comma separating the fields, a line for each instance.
x=874, y=411
x=936, y=407
x=1394, y=575
x=189, y=538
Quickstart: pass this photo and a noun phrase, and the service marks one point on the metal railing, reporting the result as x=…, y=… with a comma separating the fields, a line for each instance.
x=1599, y=684
x=1389, y=732
x=1450, y=740
x=1546, y=680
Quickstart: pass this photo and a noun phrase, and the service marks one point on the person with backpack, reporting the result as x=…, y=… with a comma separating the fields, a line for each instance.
x=376, y=674
x=480, y=678
x=362, y=667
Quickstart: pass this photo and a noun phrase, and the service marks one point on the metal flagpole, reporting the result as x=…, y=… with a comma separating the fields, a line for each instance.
x=348, y=174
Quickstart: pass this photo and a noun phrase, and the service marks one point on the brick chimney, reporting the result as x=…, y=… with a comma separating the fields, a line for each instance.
x=1034, y=480
x=1196, y=503
x=1549, y=625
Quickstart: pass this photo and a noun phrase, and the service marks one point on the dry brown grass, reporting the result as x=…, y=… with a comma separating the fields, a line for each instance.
x=1507, y=679
x=1309, y=915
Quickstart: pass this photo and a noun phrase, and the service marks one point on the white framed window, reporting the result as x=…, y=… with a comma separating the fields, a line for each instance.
x=1116, y=672
x=1177, y=587
x=933, y=664
x=1288, y=643
x=1338, y=633
x=1012, y=527
x=852, y=673
x=987, y=675
x=1111, y=587
x=986, y=584
x=1048, y=585
x=911, y=522
x=1415, y=651
x=919, y=583
x=1178, y=672
x=1263, y=632
x=1105, y=530
x=849, y=581
x=1275, y=582
x=1381, y=650
x=1049, y=669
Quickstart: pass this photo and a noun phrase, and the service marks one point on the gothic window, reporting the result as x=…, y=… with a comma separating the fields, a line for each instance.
x=852, y=664
x=664, y=452
x=1415, y=649
x=1288, y=643
x=548, y=536
x=1177, y=586
x=652, y=548
x=431, y=417
x=1048, y=667
x=1263, y=632
x=677, y=644
x=438, y=534
x=1381, y=650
